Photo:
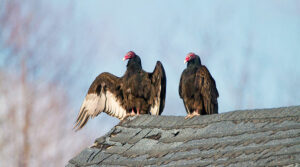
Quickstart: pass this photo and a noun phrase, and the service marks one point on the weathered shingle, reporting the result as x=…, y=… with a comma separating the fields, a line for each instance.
x=239, y=138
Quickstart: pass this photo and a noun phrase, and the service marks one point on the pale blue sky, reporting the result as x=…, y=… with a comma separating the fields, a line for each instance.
x=259, y=39
x=251, y=47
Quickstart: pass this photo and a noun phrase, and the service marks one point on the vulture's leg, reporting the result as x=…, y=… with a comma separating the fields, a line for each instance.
x=132, y=112
x=137, y=111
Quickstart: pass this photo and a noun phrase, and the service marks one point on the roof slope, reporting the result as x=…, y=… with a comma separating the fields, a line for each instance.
x=243, y=138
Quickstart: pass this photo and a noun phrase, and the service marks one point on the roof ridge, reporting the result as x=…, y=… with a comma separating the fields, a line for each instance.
x=247, y=137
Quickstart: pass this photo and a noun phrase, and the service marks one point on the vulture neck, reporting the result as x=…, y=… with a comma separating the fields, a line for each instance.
x=134, y=64
x=194, y=63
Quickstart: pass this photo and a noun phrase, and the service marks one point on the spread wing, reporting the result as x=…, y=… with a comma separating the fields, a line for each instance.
x=207, y=86
x=158, y=93
x=104, y=95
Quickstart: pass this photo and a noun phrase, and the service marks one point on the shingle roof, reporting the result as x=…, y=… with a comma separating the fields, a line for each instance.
x=240, y=138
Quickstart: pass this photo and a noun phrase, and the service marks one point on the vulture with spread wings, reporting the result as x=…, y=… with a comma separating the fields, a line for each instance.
x=137, y=92
x=197, y=88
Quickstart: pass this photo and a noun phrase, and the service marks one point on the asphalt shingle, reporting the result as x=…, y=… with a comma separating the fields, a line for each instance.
x=238, y=138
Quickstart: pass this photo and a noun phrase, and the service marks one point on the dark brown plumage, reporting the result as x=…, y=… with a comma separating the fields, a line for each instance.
x=137, y=92
x=197, y=88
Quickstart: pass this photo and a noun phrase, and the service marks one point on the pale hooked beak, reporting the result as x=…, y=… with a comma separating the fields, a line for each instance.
x=127, y=57
x=186, y=59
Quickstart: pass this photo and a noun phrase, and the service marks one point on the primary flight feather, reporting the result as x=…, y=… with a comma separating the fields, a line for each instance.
x=136, y=92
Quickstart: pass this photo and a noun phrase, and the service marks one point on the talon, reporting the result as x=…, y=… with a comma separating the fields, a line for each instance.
x=195, y=113
x=192, y=116
x=188, y=116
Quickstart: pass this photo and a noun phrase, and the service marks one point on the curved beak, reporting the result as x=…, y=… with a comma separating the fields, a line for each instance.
x=186, y=59
x=126, y=57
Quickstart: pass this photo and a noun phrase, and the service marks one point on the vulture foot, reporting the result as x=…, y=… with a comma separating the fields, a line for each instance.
x=189, y=116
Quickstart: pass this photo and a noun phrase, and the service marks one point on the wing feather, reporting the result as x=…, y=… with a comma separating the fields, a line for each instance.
x=158, y=95
x=180, y=86
x=182, y=92
x=207, y=86
x=102, y=96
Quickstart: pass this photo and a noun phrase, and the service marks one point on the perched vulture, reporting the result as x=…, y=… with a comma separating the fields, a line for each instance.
x=197, y=88
x=136, y=92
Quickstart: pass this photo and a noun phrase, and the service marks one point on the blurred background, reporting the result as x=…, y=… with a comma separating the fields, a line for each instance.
x=51, y=51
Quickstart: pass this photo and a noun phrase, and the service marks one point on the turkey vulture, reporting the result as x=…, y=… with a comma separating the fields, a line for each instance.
x=197, y=88
x=136, y=92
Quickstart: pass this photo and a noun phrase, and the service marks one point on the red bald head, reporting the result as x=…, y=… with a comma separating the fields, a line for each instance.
x=129, y=55
x=189, y=57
